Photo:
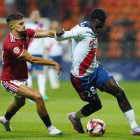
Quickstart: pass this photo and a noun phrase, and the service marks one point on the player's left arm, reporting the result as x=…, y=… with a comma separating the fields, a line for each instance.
x=48, y=33
x=40, y=61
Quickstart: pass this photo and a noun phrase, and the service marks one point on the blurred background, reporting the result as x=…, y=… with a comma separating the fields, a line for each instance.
x=119, y=41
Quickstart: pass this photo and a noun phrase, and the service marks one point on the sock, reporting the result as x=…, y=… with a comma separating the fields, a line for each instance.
x=53, y=78
x=131, y=118
x=47, y=121
x=29, y=80
x=77, y=115
x=41, y=80
x=8, y=115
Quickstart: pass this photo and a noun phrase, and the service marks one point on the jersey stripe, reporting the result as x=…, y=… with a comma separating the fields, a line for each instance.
x=78, y=88
x=40, y=26
x=85, y=64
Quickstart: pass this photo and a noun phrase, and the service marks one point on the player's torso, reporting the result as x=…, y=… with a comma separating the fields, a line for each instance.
x=35, y=45
x=84, y=52
x=12, y=66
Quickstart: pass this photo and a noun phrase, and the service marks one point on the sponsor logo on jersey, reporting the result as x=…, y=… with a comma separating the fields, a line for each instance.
x=16, y=50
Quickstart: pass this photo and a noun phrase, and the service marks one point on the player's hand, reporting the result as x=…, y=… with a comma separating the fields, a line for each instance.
x=60, y=31
x=58, y=68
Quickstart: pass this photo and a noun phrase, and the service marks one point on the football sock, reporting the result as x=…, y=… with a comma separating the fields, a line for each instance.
x=77, y=115
x=53, y=78
x=41, y=80
x=47, y=121
x=131, y=118
x=29, y=80
x=8, y=115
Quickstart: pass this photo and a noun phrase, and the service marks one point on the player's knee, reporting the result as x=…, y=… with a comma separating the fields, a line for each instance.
x=95, y=106
x=38, y=97
x=119, y=93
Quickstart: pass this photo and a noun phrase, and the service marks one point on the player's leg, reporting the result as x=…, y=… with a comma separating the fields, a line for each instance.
x=41, y=80
x=88, y=93
x=34, y=95
x=52, y=73
x=11, y=111
x=29, y=80
x=53, y=78
x=114, y=89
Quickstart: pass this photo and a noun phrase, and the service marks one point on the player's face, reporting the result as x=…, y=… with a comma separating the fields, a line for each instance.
x=18, y=25
x=96, y=25
x=35, y=16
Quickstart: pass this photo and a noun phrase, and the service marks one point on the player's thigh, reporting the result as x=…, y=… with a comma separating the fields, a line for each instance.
x=111, y=87
x=28, y=92
x=87, y=92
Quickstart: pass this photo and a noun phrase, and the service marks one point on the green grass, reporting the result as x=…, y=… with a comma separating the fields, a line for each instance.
x=27, y=125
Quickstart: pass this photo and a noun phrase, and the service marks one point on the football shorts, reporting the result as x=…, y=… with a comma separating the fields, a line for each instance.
x=86, y=86
x=12, y=86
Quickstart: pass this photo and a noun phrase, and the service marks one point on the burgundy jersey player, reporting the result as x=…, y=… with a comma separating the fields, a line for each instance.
x=14, y=73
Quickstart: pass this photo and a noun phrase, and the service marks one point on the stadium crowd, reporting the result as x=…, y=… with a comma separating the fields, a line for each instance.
x=118, y=40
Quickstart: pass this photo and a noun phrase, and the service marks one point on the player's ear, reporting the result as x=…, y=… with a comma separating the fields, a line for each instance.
x=11, y=25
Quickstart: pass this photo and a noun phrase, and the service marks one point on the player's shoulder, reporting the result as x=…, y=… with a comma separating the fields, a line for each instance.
x=84, y=24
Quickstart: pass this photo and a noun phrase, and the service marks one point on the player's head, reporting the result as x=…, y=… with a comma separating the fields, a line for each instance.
x=55, y=24
x=16, y=22
x=97, y=19
x=35, y=15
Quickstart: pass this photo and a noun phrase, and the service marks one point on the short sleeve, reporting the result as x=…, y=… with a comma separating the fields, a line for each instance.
x=15, y=49
x=31, y=33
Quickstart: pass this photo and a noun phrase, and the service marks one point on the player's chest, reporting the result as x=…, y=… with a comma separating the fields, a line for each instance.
x=23, y=44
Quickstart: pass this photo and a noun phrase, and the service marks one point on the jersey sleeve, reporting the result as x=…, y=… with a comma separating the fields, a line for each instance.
x=15, y=50
x=31, y=33
x=76, y=33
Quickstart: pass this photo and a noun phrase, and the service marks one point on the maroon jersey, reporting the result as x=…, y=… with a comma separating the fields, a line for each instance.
x=13, y=48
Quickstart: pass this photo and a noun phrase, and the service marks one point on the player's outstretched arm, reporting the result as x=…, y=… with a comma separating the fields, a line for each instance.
x=48, y=33
x=45, y=33
x=40, y=61
x=61, y=35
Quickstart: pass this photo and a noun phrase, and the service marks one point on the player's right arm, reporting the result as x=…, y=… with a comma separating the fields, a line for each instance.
x=39, y=61
x=76, y=32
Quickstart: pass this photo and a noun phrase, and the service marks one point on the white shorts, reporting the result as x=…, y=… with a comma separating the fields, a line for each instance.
x=12, y=86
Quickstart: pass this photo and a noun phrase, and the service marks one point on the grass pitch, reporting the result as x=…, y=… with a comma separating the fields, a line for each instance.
x=27, y=125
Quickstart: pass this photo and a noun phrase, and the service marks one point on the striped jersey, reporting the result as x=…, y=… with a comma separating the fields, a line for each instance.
x=36, y=45
x=84, y=45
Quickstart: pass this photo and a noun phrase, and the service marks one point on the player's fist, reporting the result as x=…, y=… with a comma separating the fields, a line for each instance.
x=60, y=31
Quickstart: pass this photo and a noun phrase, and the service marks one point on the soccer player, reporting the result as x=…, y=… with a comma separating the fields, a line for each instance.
x=14, y=73
x=35, y=48
x=87, y=74
x=55, y=52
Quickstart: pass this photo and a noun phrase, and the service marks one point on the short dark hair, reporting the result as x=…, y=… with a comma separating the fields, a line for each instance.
x=14, y=16
x=99, y=14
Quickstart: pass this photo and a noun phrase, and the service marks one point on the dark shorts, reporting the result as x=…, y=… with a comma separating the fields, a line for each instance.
x=33, y=66
x=86, y=86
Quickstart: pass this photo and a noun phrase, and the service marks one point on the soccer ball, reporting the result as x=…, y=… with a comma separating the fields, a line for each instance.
x=95, y=128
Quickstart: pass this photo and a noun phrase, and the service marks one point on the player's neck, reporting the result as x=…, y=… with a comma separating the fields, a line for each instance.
x=17, y=34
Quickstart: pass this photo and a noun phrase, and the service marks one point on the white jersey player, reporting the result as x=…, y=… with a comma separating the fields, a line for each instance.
x=87, y=75
x=55, y=52
x=36, y=47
